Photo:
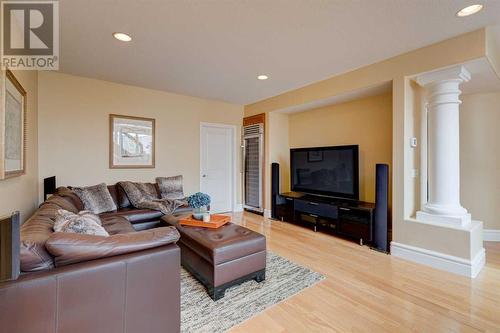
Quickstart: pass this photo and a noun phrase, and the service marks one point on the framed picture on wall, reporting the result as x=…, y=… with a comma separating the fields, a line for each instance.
x=131, y=142
x=12, y=126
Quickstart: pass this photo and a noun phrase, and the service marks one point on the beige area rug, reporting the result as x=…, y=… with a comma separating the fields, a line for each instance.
x=199, y=313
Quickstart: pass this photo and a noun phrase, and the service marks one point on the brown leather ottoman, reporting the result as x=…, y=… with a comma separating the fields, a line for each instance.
x=223, y=257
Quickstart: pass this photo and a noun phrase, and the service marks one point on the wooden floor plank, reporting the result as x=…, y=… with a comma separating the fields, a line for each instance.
x=368, y=291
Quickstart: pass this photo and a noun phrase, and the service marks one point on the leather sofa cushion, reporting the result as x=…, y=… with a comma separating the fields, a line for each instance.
x=47, y=209
x=220, y=245
x=135, y=215
x=123, y=201
x=114, y=195
x=71, y=196
x=183, y=210
x=34, y=233
x=63, y=202
x=68, y=248
x=115, y=225
x=37, y=229
x=119, y=196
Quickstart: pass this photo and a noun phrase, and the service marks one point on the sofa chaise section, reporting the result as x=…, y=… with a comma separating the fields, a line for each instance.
x=136, y=292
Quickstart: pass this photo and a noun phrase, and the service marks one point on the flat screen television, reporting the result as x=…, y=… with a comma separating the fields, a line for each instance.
x=330, y=171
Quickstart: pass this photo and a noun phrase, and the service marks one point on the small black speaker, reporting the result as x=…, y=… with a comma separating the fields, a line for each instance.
x=9, y=247
x=381, y=208
x=49, y=186
x=275, y=188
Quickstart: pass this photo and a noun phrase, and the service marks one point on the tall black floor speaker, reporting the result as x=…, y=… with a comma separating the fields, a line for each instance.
x=49, y=186
x=275, y=188
x=380, y=242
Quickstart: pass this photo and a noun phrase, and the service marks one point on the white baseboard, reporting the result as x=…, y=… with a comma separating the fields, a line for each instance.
x=267, y=213
x=457, y=265
x=491, y=235
x=238, y=208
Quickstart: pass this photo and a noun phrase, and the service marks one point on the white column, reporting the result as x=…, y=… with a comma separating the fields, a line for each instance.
x=443, y=147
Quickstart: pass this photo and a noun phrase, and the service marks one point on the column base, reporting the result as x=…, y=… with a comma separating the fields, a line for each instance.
x=449, y=220
x=457, y=250
x=465, y=267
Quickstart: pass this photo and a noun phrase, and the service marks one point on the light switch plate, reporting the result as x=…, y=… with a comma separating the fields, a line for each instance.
x=414, y=173
x=413, y=142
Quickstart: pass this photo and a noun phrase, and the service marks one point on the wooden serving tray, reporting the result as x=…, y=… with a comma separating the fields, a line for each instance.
x=216, y=221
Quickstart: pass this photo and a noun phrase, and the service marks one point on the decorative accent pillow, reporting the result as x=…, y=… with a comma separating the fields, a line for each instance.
x=171, y=187
x=96, y=198
x=82, y=223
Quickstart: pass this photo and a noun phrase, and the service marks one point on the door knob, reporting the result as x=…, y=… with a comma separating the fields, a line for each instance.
x=204, y=176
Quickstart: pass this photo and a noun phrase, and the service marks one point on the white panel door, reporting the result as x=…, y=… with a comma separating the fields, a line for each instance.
x=216, y=165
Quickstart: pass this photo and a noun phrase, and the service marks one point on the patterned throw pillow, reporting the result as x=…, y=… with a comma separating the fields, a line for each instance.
x=96, y=198
x=171, y=187
x=82, y=223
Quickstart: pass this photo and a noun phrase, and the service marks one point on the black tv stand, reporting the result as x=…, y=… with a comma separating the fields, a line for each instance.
x=345, y=217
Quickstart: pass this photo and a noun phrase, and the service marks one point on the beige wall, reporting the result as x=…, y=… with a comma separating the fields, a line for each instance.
x=493, y=47
x=74, y=129
x=480, y=157
x=21, y=193
x=366, y=122
x=278, y=151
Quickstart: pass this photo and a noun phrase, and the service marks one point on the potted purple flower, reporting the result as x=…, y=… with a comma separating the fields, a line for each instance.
x=199, y=202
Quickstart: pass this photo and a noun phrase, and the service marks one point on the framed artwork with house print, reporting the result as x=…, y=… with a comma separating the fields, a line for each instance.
x=12, y=126
x=131, y=142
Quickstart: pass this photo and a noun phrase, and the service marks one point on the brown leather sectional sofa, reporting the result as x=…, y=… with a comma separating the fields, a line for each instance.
x=138, y=291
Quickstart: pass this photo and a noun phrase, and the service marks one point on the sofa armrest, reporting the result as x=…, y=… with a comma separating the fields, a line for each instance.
x=135, y=292
x=70, y=248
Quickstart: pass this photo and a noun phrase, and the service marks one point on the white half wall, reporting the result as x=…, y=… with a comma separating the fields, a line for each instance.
x=491, y=235
x=456, y=265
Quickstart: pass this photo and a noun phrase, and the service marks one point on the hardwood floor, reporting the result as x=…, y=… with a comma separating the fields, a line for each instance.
x=368, y=291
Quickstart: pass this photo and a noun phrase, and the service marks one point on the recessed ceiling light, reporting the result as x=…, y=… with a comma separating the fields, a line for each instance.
x=262, y=77
x=122, y=36
x=469, y=10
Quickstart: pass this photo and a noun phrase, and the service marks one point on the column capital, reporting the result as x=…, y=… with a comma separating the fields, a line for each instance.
x=451, y=73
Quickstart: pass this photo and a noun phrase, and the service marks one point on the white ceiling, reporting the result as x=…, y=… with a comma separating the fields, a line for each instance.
x=216, y=48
